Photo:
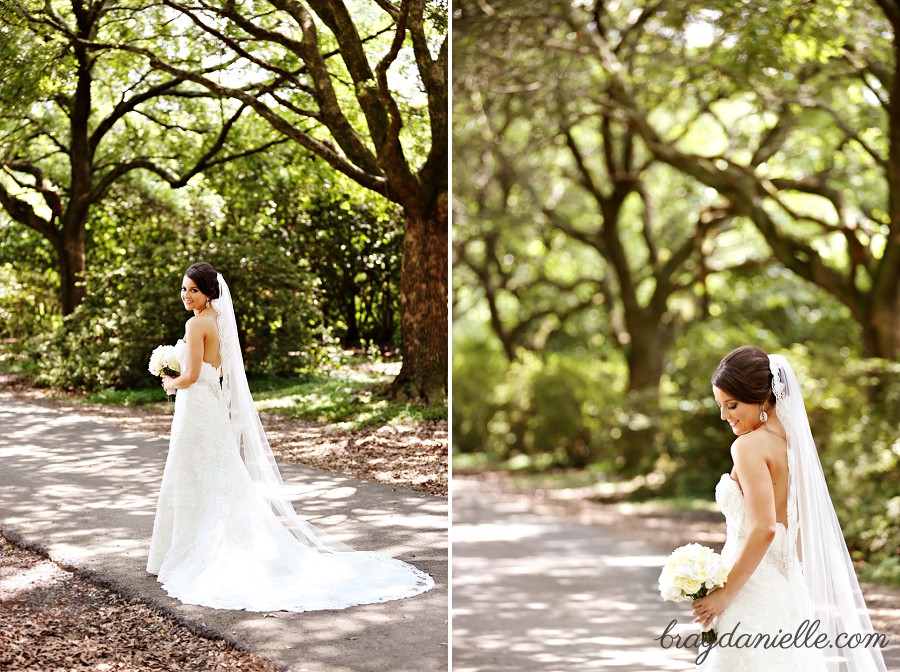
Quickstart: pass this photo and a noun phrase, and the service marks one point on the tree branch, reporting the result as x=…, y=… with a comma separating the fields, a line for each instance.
x=336, y=17
x=22, y=212
x=126, y=106
x=203, y=162
x=391, y=9
x=323, y=148
x=391, y=134
x=51, y=196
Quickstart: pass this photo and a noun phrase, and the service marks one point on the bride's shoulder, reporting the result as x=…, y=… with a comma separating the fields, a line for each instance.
x=748, y=443
x=200, y=323
x=757, y=443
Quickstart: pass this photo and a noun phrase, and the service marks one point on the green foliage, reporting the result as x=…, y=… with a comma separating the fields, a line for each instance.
x=353, y=243
x=28, y=303
x=57, y=145
x=350, y=238
x=134, y=305
x=350, y=394
x=560, y=406
x=26, y=70
x=107, y=341
x=555, y=402
x=865, y=468
x=478, y=367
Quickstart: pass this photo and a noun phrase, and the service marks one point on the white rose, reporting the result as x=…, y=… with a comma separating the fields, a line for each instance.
x=691, y=586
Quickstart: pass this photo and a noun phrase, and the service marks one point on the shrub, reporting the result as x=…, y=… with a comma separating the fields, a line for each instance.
x=477, y=364
x=551, y=406
x=135, y=306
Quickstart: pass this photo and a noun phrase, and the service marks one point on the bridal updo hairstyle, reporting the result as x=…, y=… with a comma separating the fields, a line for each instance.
x=744, y=374
x=206, y=279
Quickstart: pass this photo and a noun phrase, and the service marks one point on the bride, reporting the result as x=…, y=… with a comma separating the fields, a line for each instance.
x=791, y=589
x=223, y=537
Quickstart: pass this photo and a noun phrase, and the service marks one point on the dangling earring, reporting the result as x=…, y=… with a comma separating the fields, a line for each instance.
x=207, y=303
x=763, y=416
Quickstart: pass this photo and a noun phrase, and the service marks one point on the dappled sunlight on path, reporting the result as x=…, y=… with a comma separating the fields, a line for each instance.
x=540, y=592
x=86, y=492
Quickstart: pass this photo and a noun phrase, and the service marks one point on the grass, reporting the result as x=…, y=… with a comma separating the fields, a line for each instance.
x=669, y=505
x=124, y=397
x=347, y=397
x=534, y=469
x=351, y=397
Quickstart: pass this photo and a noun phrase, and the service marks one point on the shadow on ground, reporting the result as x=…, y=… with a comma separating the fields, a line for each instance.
x=86, y=494
x=539, y=592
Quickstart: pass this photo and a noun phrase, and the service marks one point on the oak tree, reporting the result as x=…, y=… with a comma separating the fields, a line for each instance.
x=364, y=88
x=78, y=116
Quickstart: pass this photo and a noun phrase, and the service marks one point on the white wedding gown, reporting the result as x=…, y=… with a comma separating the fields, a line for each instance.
x=217, y=542
x=774, y=599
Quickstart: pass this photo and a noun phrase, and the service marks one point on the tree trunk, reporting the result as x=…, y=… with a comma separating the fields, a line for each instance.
x=74, y=220
x=646, y=356
x=885, y=326
x=386, y=325
x=424, y=306
x=885, y=292
x=71, y=275
x=352, y=337
x=349, y=295
x=68, y=243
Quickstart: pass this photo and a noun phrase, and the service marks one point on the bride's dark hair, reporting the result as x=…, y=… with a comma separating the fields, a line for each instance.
x=205, y=277
x=744, y=374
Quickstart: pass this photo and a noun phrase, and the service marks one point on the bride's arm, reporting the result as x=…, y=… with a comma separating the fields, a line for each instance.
x=759, y=497
x=193, y=338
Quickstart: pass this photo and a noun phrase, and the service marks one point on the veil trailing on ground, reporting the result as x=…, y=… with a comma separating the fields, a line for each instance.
x=827, y=570
x=249, y=434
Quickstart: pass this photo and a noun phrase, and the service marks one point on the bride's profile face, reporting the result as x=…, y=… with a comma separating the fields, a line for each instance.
x=742, y=417
x=191, y=296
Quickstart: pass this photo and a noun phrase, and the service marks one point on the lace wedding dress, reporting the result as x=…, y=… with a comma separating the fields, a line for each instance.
x=220, y=541
x=774, y=601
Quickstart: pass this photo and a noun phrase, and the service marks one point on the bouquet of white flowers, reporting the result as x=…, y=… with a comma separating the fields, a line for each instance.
x=163, y=362
x=692, y=572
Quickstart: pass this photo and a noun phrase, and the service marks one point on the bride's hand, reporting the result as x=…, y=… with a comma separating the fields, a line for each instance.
x=166, y=383
x=707, y=608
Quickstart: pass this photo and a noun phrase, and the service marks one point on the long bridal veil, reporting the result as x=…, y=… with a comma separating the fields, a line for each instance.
x=827, y=569
x=249, y=434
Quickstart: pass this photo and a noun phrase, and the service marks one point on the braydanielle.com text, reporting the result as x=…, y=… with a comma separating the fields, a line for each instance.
x=805, y=636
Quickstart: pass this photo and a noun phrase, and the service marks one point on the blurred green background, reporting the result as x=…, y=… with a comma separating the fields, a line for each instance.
x=639, y=188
